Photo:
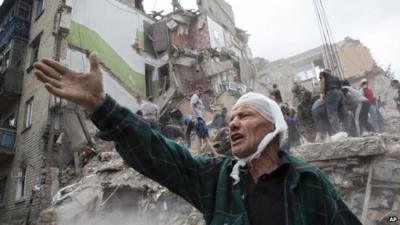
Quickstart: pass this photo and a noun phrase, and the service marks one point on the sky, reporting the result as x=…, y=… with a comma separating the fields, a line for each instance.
x=283, y=28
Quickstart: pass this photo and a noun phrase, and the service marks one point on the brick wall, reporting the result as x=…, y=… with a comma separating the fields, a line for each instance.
x=29, y=144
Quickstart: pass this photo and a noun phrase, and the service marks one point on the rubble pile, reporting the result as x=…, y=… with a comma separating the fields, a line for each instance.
x=111, y=192
x=391, y=121
x=360, y=167
x=366, y=171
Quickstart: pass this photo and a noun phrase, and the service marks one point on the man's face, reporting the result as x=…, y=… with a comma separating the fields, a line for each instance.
x=247, y=128
x=200, y=92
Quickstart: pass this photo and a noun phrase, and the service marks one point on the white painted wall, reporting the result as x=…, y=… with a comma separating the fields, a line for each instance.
x=78, y=61
x=116, y=23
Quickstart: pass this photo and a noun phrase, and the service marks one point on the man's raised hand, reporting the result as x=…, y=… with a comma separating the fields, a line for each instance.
x=84, y=89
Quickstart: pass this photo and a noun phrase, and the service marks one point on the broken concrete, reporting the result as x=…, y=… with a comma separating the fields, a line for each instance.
x=215, y=68
x=109, y=188
x=350, y=147
x=347, y=163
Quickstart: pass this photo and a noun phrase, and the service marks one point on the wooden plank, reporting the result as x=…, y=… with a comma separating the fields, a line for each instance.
x=367, y=195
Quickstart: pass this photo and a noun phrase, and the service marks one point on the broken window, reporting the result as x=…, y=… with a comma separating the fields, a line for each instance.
x=10, y=121
x=319, y=65
x=3, y=181
x=28, y=113
x=164, y=79
x=159, y=36
x=20, y=175
x=34, y=47
x=148, y=43
x=149, y=70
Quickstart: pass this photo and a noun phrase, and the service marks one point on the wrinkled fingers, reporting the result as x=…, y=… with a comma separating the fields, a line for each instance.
x=47, y=70
x=47, y=79
x=60, y=68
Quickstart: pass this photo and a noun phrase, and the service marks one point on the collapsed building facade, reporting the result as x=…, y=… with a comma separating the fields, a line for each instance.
x=165, y=56
x=355, y=59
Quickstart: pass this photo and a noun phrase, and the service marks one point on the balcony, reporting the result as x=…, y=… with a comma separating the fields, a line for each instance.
x=15, y=28
x=7, y=143
x=10, y=86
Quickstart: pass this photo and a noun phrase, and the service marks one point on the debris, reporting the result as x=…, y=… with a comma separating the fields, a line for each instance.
x=110, y=188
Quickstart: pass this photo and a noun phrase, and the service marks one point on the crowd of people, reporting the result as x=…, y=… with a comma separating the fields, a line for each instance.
x=340, y=108
x=186, y=126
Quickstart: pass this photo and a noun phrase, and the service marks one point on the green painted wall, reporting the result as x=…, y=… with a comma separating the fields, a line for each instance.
x=89, y=39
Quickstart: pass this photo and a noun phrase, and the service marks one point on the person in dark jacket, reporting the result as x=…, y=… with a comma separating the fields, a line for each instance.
x=276, y=93
x=220, y=120
x=261, y=184
x=293, y=129
x=332, y=95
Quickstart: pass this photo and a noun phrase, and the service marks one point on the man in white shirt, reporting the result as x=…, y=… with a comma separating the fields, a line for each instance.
x=199, y=122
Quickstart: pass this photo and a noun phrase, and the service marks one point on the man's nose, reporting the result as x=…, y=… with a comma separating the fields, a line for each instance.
x=234, y=123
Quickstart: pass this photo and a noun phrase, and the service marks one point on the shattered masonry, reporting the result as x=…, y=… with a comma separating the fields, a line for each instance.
x=176, y=53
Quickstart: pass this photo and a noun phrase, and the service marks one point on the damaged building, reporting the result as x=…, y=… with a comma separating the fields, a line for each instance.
x=356, y=61
x=165, y=56
x=44, y=141
x=203, y=48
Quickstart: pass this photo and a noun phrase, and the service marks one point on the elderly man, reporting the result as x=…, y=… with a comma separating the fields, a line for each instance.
x=261, y=185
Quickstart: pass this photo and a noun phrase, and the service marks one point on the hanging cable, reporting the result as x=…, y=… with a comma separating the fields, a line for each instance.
x=330, y=50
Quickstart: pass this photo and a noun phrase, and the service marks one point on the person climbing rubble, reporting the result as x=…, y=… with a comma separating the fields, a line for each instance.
x=304, y=116
x=150, y=112
x=293, y=128
x=360, y=107
x=276, y=93
x=321, y=122
x=262, y=183
x=220, y=119
x=376, y=117
x=334, y=99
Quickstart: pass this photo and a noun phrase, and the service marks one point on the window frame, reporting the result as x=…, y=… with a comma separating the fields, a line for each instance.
x=39, y=8
x=28, y=113
x=34, y=48
x=26, y=7
x=20, y=184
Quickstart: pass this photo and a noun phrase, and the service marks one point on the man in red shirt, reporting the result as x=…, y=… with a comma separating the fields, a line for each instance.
x=376, y=117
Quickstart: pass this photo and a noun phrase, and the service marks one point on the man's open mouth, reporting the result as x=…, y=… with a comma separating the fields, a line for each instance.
x=236, y=138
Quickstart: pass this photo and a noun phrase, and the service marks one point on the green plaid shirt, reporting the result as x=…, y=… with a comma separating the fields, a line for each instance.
x=205, y=182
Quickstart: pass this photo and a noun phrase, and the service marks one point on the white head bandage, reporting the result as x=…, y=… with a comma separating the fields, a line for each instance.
x=271, y=111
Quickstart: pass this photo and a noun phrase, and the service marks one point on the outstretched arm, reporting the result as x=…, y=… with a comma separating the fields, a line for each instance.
x=145, y=150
